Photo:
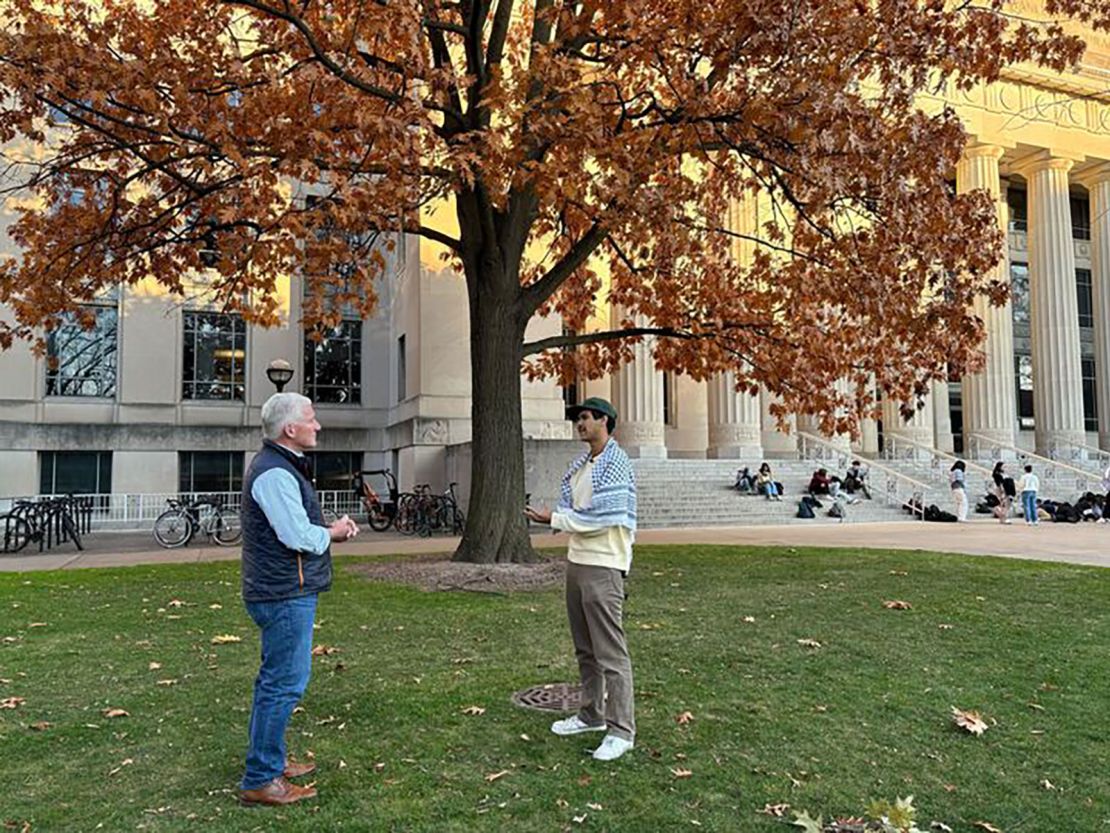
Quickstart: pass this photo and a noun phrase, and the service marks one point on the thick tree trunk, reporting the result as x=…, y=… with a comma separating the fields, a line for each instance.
x=496, y=530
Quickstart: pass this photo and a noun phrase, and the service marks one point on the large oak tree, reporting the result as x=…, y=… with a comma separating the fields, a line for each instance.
x=582, y=147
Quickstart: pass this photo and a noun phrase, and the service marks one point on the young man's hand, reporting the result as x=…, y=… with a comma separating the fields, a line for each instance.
x=343, y=530
x=539, y=516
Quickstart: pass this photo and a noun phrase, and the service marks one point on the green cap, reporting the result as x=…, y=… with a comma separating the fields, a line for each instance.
x=594, y=403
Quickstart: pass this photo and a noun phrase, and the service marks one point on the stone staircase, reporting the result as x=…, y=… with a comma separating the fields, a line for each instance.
x=691, y=493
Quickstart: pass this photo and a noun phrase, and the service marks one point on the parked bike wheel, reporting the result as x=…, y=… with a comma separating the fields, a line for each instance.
x=17, y=532
x=406, y=517
x=173, y=529
x=379, y=519
x=69, y=526
x=227, y=528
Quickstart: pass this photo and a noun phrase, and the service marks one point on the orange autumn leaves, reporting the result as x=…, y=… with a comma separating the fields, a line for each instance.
x=581, y=148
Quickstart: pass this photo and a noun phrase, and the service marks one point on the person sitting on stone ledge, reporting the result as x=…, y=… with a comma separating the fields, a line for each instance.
x=745, y=483
x=765, y=483
x=819, y=483
x=855, y=480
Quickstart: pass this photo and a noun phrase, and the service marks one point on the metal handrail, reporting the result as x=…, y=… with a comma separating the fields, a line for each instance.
x=1101, y=456
x=1050, y=468
x=891, y=478
x=935, y=455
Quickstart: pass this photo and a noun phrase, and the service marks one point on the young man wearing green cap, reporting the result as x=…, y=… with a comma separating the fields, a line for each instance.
x=597, y=506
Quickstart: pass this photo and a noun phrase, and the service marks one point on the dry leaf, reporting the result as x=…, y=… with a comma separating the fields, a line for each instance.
x=969, y=721
x=594, y=806
x=897, y=604
x=946, y=627
x=166, y=682
x=940, y=827
x=41, y=725
x=776, y=810
x=115, y=713
x=12, y=702
x=37, y=625
x=123, y=763
x=1035, y=706
x=154, y=666
x=474, y=710
x=987, y=826
x=579, y=819
x=216, y=606
x=324, y=650
x=809, y=643
x=679, y=772
x=899, y=573
x=684, y=718
x=584, y=780
x=1045, y=784
x=748, y=619
x=493, y=776
x=225, y=638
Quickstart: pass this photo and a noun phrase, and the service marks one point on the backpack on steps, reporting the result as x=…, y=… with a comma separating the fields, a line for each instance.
x=805, y=510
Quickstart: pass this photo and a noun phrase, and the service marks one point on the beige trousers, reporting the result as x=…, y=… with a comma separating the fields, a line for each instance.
x=595, y=599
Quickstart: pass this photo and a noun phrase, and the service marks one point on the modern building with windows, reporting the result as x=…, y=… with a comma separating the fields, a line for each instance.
x=150, y=394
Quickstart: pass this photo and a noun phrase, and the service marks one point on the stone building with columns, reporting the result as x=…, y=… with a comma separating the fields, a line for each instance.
x=164, y=395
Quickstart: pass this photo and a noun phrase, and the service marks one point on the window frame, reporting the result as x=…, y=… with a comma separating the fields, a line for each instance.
x=96, y=338
x=237, y=387
x=352, y=361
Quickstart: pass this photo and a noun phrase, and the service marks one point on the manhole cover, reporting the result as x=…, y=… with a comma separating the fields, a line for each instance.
x=551, y=697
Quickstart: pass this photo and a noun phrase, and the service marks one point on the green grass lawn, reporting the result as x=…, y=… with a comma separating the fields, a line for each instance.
x=825, y=729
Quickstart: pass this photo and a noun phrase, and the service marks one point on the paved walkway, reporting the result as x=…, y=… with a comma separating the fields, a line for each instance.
x=1084, y=543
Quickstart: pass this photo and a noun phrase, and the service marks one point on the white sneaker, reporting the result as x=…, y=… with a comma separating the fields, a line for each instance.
x=573, y=725
x=612, y=748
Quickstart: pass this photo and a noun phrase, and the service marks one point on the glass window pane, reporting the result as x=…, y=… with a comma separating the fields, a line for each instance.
x=1085, y=297
x=75, y=472
x=214, y=356
x=1019, y=291
x=1090, y=401
x=82, y=362
x=1018, y=211
x=210, y=471
x=333, y=365
x=333, y=470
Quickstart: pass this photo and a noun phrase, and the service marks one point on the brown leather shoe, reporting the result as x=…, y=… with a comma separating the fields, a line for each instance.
x=295, y=769
x=279, y=791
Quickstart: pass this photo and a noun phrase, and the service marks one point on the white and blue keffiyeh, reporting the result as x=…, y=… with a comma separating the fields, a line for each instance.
x=614, y=490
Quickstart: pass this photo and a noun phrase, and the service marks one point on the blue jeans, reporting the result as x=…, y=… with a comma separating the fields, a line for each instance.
x=282, y=678
x=1029, y=506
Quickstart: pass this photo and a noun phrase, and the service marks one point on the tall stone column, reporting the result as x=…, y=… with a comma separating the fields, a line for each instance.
x=1099, y=187
x=734, y=421
x=811, y=424
x=989, y=397
x=918, y=429
x=942, y=417
x=638, y=398
x=1053, y=308
x=776, y=444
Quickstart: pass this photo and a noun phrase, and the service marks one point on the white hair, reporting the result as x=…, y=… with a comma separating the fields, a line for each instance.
x=281, y=409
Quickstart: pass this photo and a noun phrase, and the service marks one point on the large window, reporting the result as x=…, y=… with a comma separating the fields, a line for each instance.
x=1085, y=297
x=333, y=365
x=1080, y=218
x=215, y=356
x=210, y=471
x=75, y=472
x=1019, y=212
x=81, y=361
x=1023, y=367
x=1090, y=402
x=1019, y=292
x=333, y=470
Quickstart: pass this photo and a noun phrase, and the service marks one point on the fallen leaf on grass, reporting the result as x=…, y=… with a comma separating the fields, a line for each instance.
x=1035, y=706
x=154, y=666
x=969, y=721
x=987, y=826
x=897, y=604
x=684, y=718
x=584, y=780
x=166, y=682
x=474, y=710
x=115, y=713
x=593, y=806
x=37, y=625
x=324, y=650
x=940, y=827
x=579, y=819
x=748, y=619
x=225, y=638
x=493, y=776
x=809, y=643
x=679, y=772
x=1047, y=785
x=123, y=763
x=41, y=725
x=776, y=810
x=215, y=606
x=12, y=702
x=899, y=573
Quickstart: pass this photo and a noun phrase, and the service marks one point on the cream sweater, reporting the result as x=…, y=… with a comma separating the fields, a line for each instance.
x=606, y=546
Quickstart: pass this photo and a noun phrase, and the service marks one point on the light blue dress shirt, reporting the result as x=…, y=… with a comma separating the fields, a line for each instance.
x=279, y=495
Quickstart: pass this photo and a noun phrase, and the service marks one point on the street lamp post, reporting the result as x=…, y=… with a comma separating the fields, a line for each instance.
x=279, y=371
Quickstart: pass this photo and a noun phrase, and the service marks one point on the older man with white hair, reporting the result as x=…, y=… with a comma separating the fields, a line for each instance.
x=286, y=563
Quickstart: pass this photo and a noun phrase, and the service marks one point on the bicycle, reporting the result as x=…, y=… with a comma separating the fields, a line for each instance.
x=186, y=516
x=380, y=514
